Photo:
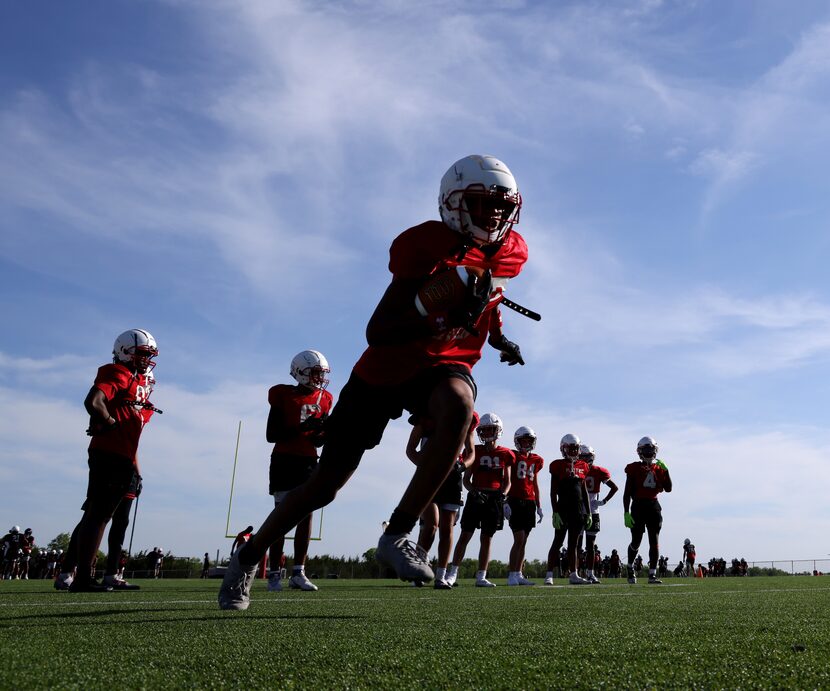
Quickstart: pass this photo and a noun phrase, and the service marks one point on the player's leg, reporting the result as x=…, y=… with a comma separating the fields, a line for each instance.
x=555, y=556
x=446, y=523
x=302, y=537
x=428, y=528
x=484, y=559
x=469, y=523
x=516, y=558
x=575, y=530
x=276, y=564
x=115, y=541
x=637, y=533
x=654, y=524
x=450, y=405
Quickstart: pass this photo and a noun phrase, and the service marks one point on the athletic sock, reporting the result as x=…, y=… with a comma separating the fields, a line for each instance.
x=440, y=574
x=481, y=575
x=590, y=573
x=298, y=569
x=401, y=523
x=652, y=572
x=452, y=571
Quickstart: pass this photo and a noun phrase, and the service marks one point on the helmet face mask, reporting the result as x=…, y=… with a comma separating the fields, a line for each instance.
x=524, y=440
x=586, y=453
x=136, y=349
x=489, y=428
x=647, y=450
x=310, y=368
x=479, y=198
x=569, y=446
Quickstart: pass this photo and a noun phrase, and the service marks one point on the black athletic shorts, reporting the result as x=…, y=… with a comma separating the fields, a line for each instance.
x=483, y=510
x=363, y=410
x=648, y=513
x=450, y=491
x=522, y=514
x=110, y=478
x=288, y=471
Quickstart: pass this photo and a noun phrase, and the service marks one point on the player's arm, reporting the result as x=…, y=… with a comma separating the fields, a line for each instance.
x=510, y=352
x=586, y=498
x=506, y=479
x=276, y=428
x=667, y=485
x=612, y=490
x=554, y=488
x=468, y=479
x=395, y=319
x=468, y=454
x=628, y=492
x=415, y=436
x=100, y=419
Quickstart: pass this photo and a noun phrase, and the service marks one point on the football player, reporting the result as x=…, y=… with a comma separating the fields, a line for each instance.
x=689, y=556
x=115, y=404
x=296, y=429
x=524, y=503
x=596, y=477
x=421, y=363
x=571, y=507
x=441, y=515
x=27, y=542
x=644, y=480
x=487, y=481
x=11, y=548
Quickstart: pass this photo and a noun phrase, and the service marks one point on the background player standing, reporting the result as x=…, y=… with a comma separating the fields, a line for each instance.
x=487, y=481
x=644, y=480
x=442, y=513
x=524, y=504
x=595, y=478
x=571, y=507
x=420, y=363
x=689, y=556
x=295, y=428
x=115, y=404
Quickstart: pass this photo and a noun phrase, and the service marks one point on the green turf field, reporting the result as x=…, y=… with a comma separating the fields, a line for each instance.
x=714, y=633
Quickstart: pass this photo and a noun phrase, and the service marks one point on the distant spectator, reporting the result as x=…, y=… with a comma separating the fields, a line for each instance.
x=206, y=566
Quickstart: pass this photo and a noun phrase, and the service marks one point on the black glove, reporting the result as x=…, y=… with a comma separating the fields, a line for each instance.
x=510, y=352
x=314, y=425
x=476, y=301
x=97, y=428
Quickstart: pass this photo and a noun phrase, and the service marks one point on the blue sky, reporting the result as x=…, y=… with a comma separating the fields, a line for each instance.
x=230, y=175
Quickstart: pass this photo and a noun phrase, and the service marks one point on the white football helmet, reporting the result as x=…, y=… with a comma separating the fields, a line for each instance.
x=479, y=198
x=569, y=446
x=15, y=529
x=489, y=428
x=586, y=453
x=647, y=449
x=524, y=439
x=310, y=368
x=135, y=348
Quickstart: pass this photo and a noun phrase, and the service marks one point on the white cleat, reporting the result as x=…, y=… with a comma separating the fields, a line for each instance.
x=549, y=580
x=593, y=580
x=524, y=581
x=576, y=579
x=484, y=583
x=398, y=553
x=235, y=591
x=299, y=581
x=513, y=580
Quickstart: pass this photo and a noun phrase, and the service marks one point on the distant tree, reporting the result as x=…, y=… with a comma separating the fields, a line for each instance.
x=60, y=541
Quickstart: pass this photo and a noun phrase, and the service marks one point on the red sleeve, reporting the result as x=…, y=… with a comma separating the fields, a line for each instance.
x=111, y=379
x=417, y=251
x=602, y=474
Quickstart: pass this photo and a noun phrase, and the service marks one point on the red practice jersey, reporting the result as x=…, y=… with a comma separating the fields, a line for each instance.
x=649, y=480
x=593, y=481
x=416, y=254
x=490, y=466
x=524, y=482
x=295, y=405
x=124, y=392
x=566, y=479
